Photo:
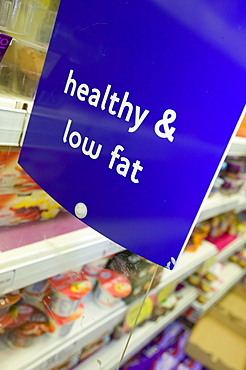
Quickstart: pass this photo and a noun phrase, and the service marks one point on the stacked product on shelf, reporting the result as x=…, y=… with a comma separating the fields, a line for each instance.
x=111, y=287
x=138, y=270
x=20, y=322
x=219, y=230
x=166, y=351
x=207, y=282
x=239, y=258
x=60, y=299
x=225, y=228
x=51, y=305
x=30, y=23
x=156, y=305
x=199, y=233
x=231, y=177
x=21, y=199
x=139, y=273
x=92, y=269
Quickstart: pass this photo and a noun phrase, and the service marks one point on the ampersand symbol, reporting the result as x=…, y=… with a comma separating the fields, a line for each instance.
x=169, y=117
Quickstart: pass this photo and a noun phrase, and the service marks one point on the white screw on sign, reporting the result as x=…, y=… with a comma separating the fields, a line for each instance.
x=80, y=210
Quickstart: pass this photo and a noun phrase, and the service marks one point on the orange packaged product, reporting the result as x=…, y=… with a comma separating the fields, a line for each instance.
x=242, y=129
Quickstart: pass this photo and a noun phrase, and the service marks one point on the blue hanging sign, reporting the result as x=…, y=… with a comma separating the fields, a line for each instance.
x=135, y=108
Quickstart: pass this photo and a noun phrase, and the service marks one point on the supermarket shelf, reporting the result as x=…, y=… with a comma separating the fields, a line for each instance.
x=11, y=127
x=231, y=248
x=109, y=356
x=231, y=274
x=238, y=147
x=218, y=204
x=53, y=254
x=47, y=351
x=13, y=119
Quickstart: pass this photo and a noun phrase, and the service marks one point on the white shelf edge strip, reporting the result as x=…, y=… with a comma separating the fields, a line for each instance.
x=49, y=257
x=52, y=256
x=238, y=147
x=110, y=355
x=219, y=204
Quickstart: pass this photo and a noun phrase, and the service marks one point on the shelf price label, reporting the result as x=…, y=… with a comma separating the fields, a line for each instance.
x=131, y=123
x=6, y=280
x=60, y=357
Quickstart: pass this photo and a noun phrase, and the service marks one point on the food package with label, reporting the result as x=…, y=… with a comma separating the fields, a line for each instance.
x=16, y=208
x=7, y=300
x=191, y=316
x=155, y=305
x=210, y=283
x=189, y=364
x=140, y=287
x=66, y=292
x=233, y=175
x=28, y=323
x=224, y=229
x=240, y=258
x=166, y=301
x=170, y=358
x=60, y=326
x=34, y=294
x=137, y=270
x=242, y=129
x=13, y=179
x=21, y=199
x=199, y=233
x=111, y=287
x=92, y=269
x=144, y=359
x=131, y=265
x=21, y=68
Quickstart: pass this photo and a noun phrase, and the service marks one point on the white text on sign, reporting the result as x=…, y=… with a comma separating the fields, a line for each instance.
x=93, y=150
x=120, y=107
